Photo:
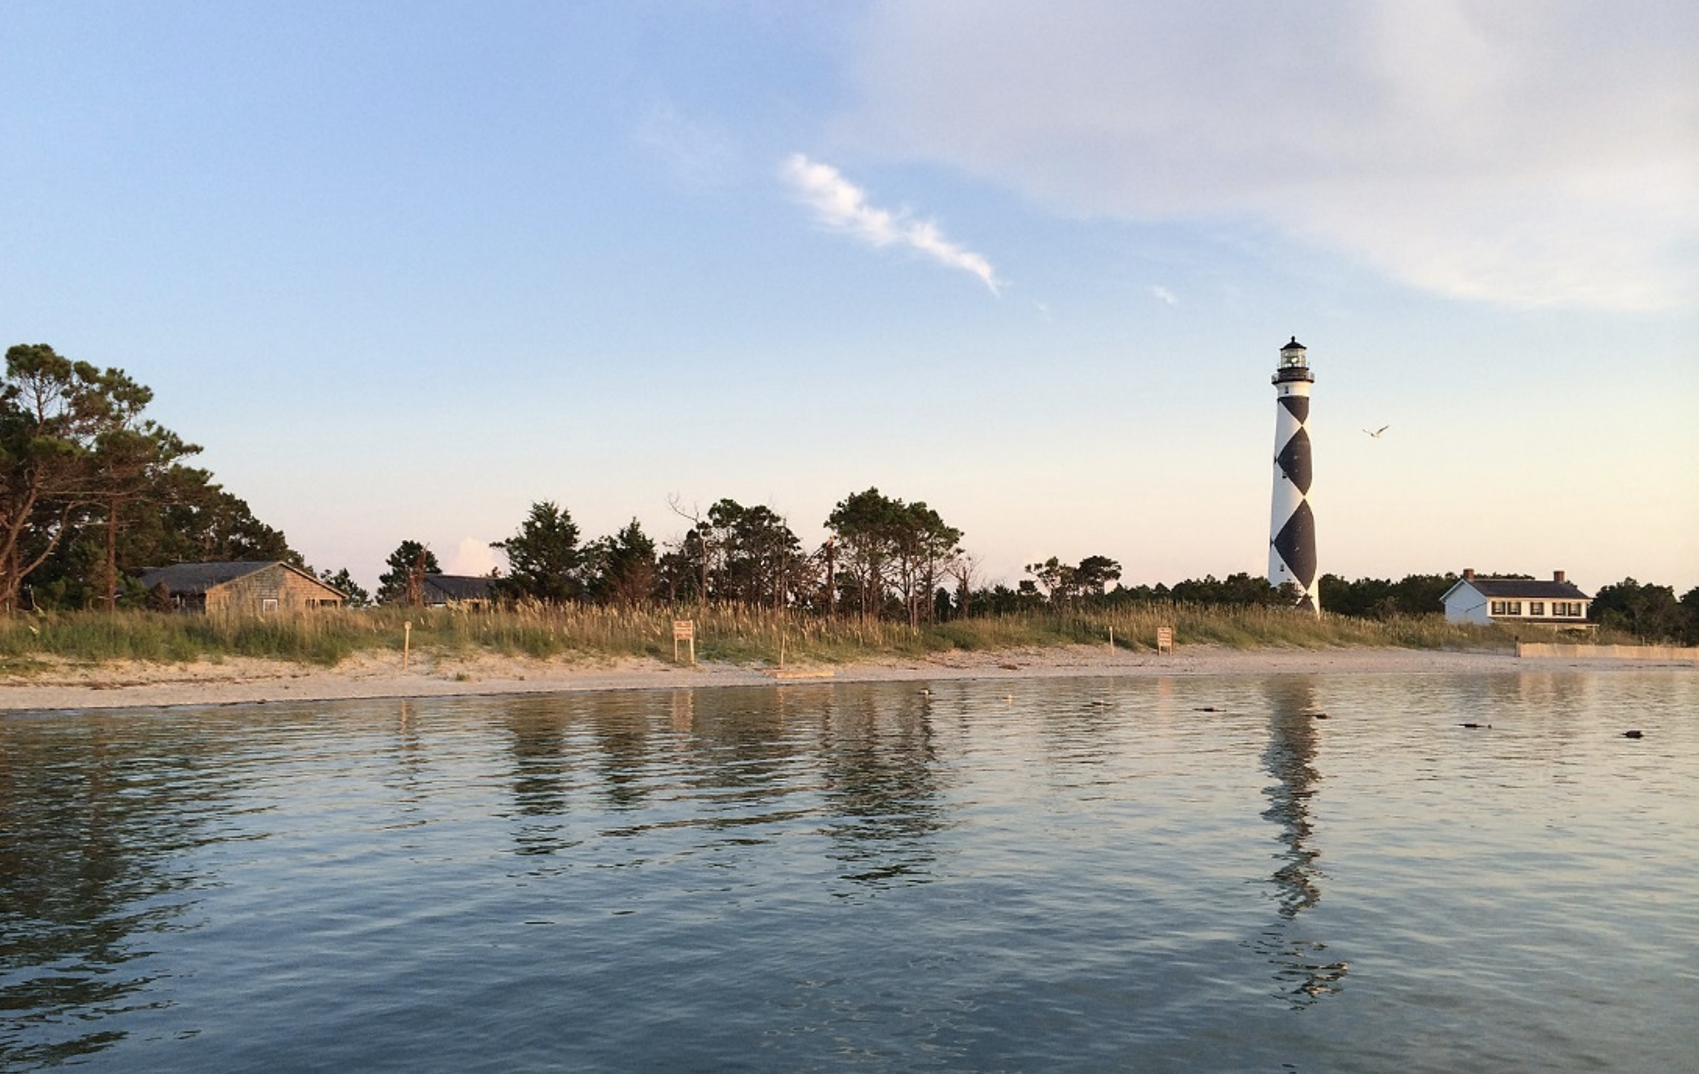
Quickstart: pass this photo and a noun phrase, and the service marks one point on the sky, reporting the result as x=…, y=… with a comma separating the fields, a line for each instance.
x=405, y=269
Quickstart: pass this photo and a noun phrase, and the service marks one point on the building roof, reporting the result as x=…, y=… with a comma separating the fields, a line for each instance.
x=193, y=578
x=456, y=587
x=1524, y=589
x=200, y=577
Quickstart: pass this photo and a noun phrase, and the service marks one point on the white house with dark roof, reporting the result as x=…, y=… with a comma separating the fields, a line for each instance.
x=1476, y=599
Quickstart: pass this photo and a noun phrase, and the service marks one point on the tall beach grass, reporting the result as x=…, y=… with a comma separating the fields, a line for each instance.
x=730, y=633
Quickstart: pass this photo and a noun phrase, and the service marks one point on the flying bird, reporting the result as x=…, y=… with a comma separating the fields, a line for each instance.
x=1376, y=435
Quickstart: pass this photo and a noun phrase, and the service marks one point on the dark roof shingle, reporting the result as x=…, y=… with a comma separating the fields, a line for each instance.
x=456, y=587
x=200, y=577
x=1527, y=589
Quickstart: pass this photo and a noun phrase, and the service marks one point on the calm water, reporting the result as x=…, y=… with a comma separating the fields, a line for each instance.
x=1050, y=875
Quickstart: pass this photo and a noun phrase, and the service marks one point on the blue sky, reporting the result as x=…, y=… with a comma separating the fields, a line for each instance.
x=404, y=269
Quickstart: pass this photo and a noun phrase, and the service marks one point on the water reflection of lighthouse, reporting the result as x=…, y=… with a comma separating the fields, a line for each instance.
x=1302, y=969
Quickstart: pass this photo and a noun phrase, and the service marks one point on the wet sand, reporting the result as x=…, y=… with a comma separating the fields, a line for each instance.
x=371, y=675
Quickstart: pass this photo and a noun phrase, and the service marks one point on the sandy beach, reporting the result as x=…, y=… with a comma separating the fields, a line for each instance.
x=236, y=681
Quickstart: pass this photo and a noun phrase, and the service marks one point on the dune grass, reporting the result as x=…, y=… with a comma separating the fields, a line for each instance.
x=98, y=637
x=728, y=633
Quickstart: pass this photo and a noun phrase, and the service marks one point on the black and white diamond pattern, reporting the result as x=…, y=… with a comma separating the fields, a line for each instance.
x=1292, y=526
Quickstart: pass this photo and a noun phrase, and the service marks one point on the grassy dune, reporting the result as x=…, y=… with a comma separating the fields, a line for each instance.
x=729, y=633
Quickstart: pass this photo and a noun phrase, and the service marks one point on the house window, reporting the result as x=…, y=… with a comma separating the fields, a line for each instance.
x=1537, y=607
x=1568, y=608
x=268, y=605
x=1506, y=607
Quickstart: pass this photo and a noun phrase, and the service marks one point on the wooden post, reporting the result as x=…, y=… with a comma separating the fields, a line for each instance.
x=406, y=642
x=1112, y=639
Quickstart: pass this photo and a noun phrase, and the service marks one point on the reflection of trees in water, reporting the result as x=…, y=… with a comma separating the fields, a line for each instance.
x=736, y=763
x=548, y=744
x=881, y=790
x=743, y=761
x=726, y=753
x=540, y=772
x=94, y=818
x=1300, y=963
x=622, y=738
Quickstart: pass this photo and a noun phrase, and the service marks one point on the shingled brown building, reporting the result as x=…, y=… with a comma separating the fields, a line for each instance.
x=265, y=588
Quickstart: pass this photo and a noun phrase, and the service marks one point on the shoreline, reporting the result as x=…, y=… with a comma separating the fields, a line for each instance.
x=367, y=676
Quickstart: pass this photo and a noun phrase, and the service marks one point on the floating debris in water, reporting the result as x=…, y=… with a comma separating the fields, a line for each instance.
x=1319, y=715
x=1632, y=734
x=1474, y=726
x=1209, y=708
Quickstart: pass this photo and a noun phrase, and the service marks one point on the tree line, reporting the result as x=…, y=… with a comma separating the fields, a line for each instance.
x=1653, y=612
x=90, y=489
x=884, y=558
x=92, y=492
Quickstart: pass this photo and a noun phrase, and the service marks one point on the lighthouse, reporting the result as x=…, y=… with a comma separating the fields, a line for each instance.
x=1292, y=527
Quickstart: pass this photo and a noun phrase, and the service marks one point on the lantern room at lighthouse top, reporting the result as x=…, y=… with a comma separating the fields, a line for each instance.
x=1293, y=366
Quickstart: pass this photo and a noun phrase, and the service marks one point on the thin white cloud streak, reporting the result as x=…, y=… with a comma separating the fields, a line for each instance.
x=843, y=206
x=1521, y=154
x=1164, y=295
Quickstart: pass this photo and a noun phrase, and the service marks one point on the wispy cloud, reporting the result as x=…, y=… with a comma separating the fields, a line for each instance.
x=1164, y=295
x=1452, y=145
x=843, y=206
x=696, y=151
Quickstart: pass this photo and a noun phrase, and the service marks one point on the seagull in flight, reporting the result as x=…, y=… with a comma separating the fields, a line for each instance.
x=1376, y=435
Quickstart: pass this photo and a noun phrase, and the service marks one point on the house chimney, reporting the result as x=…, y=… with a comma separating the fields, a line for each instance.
x=1558, y=576
x=1469, y=574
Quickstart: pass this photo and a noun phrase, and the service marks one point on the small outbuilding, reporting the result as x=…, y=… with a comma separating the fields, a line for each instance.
x=242, y=588
x=458, y=590
x=1478, y=599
